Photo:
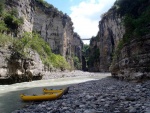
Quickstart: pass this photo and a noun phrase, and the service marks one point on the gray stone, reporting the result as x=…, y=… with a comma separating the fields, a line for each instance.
x=122, y=97
x=147, y=110
x=89, y=111
x=132, y=110
x=81, y=106
x=73, y=102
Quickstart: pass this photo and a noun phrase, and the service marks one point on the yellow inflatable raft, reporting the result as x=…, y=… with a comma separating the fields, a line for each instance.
x=48, y=96
x=56, y=90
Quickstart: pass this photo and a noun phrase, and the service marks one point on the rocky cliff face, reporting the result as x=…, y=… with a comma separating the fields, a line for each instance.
x=55, y=27
x=133, y=61
x=111, y=30
x=123, y=40
x=77, y=46
x=14, y=68
x=94, y=55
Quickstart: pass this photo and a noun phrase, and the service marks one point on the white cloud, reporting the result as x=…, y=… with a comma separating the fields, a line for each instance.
x=86, y=16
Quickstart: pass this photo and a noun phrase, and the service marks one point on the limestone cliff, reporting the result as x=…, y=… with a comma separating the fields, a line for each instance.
x=111, y=30
x=55, y=27
x=132, y=62
x=14, y=68
x=94, y=55
x=123, y=40
x=77, y=46
x=131, y=57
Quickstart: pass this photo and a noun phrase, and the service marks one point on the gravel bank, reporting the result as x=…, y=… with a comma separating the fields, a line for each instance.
x=107, y=95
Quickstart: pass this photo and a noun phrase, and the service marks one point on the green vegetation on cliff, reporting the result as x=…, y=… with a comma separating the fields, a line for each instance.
x=9, y=25
x=85, y=51
x=45, y=4
x=93, y=52
x=10, y=22
x=77, y=63
x=137, y=19
x=35, y=42
x=5, y=40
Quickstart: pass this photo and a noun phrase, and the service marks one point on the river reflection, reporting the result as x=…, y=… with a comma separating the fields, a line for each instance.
x=9, y=94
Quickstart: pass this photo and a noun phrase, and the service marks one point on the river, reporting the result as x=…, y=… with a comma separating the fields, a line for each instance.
x=9, y=94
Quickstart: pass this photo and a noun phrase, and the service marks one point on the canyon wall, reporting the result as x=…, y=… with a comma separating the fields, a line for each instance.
x=111, y=31
x=55, y=27
x=133, y=61
x=123, y=41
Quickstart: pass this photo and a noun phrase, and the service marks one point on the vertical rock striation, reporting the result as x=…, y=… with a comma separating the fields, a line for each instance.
x=55, y=27
x=123, y=40
x=133, y=61
x=77, y=46
x=111, y=31
x=132, y=57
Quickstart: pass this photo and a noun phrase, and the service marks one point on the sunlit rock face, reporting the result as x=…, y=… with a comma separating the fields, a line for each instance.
x=14, y=68
x=55, y=27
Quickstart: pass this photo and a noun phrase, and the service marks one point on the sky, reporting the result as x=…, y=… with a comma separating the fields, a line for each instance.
x=85, y=14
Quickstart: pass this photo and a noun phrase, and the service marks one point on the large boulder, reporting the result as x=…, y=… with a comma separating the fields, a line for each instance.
x=16, y=68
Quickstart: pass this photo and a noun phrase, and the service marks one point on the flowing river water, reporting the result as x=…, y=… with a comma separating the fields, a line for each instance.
x=9, y=94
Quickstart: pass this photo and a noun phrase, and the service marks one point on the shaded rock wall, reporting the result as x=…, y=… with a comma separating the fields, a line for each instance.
x=94, y=55
x=133, y=61
x=77, y=46
x=111, y=31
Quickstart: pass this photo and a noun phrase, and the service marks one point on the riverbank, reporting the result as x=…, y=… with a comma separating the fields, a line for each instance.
x=10, y=93
x=75, y=73
x=107, y=95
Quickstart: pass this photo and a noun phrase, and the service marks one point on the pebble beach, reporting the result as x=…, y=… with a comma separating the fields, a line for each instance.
x=107, y=95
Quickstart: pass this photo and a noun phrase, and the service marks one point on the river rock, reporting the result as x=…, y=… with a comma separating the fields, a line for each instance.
x=81, y=98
